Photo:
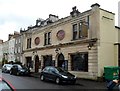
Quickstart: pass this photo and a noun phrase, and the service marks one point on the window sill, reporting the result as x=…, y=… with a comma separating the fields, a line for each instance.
x=79, y=39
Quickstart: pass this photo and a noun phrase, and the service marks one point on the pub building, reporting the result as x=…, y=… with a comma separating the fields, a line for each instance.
x=82, y=43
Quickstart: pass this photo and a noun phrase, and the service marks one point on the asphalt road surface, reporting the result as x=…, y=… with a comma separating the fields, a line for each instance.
x=24, y=82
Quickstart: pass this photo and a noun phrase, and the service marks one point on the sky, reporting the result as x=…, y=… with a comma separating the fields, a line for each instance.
x=16, y=14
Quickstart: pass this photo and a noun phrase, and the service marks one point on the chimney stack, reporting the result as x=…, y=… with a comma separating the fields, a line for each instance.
x=95, y=6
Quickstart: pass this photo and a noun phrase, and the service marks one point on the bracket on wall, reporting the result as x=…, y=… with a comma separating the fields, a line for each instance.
x=58, y=50
x=91, y=43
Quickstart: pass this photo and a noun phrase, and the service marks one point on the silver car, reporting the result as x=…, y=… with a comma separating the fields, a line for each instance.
x=6, y=68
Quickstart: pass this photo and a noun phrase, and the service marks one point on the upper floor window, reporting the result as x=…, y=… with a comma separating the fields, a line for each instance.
x=47, y=38
x=18, y=49
x=28, y=43
x=19, y=40
x=15, y=50
x=16, y=41
x=75, y=31
x=80, y=30
x=83, y=30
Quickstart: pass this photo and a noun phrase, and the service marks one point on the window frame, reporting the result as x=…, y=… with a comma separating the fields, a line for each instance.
x=80, y=30
x=29, y=41
x=47, y=38
x=75, y=31
x=73, y=65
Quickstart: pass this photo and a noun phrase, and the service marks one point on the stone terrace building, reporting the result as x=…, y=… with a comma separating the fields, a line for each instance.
x=5, y=50
x=18, y=48
x=1, y=52
x=82, y=43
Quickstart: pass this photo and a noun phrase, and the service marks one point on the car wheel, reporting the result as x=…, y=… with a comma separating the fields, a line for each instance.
x=57, y=80
x=42, y=78
x=2, y=71
x=5, y=71
x=18, y=73
x=73, y=82
x=10, y=72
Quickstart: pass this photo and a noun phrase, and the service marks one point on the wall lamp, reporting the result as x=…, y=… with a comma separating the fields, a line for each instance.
x=57, y=50
x=34, y=52
x=91, y=43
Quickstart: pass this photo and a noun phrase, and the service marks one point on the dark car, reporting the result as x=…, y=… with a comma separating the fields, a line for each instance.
x=57, y=75
x=6, y=86
x=6, y=68
x=19, y=70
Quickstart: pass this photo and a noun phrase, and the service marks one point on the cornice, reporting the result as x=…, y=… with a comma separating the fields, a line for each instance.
x=72, y=43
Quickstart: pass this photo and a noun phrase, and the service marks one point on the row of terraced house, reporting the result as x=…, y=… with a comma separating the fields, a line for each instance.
x=82, y=43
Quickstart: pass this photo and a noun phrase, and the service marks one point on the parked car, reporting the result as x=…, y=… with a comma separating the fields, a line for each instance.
x=6, y=68
x=19, y=70
x=6, y=86
x=57, y=75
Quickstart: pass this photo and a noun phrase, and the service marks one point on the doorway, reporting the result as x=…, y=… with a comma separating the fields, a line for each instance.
x=119, y=58
x=36, y=64
x=29, y=62
x=62, y=62
x=47, y=59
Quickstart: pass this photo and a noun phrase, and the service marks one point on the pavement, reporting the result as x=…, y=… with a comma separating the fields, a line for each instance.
x=87, y=84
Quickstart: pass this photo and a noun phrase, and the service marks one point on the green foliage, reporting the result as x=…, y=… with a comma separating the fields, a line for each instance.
x=4, y=61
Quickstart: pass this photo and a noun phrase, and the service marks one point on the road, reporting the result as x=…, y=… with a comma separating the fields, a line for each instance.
x=24, y=82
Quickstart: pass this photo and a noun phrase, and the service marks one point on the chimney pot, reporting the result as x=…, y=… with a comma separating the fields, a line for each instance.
x=96, y=4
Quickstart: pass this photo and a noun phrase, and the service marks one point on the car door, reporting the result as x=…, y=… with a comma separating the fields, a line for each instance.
x=52, y=74
x=45, y=73
x=4, y=68
x=14, y=69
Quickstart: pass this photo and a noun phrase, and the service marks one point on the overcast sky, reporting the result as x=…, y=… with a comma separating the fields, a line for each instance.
x=16, y=14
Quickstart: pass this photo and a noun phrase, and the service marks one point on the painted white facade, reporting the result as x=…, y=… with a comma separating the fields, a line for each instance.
x=119, y=13
x=5, y=49
x=11, y=55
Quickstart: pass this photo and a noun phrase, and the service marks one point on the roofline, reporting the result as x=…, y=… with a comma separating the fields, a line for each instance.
x=116, y=43
x=117, y=27
x=107, y=11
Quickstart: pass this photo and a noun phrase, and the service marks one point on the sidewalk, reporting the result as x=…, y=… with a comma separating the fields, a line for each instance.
x=36, y=75
x=87, y=84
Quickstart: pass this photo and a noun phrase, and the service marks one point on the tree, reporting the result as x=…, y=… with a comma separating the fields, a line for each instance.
x=4, y=61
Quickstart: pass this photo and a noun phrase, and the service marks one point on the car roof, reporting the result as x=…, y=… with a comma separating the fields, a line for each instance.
x=50, y=67
x=7, y=64
x=17, y=64
x=10, y=85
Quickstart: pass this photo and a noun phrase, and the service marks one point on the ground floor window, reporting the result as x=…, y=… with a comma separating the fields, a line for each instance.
x=79, y=62
x=29, y=63
x=47, y=61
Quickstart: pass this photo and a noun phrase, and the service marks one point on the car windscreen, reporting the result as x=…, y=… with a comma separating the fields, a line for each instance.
x=4, y=86
x=9, y=66
x=24, y=67
x=60, y=70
